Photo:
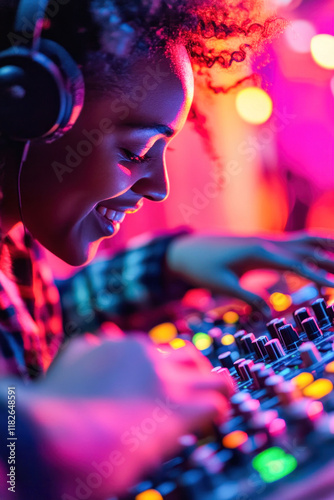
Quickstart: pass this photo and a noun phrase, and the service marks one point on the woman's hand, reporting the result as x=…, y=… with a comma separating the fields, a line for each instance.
x=217, y=262
x=110, y=410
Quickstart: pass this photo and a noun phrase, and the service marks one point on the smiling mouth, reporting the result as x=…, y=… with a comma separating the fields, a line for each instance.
x=110, y=215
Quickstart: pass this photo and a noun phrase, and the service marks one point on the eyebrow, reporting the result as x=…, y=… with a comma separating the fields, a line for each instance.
x=158, y=127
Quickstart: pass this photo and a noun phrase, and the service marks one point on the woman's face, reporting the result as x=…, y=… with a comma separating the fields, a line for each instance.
x=77, y=190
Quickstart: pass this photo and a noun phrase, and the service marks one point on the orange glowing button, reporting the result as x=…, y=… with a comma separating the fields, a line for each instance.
x=318, y=389
x=303, y=380
x=177, y=343
x=149, y=495
x=228, y=339
x=280, y=301
x=230, y=317
x=163, y=334
x=235, y=439
x=330, y=367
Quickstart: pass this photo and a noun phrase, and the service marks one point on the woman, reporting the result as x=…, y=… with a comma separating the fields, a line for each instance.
x=89, y=412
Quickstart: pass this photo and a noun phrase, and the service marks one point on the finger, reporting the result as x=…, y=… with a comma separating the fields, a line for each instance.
x=287, y=263
x=233, y=288
x=227, y=283
x=322, y=241
x=322, y=261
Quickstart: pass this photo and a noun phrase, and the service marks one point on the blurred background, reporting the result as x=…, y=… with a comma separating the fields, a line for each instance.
x=274, y=145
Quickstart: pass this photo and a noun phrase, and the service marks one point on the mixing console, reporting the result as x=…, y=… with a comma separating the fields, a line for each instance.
x=281, y=425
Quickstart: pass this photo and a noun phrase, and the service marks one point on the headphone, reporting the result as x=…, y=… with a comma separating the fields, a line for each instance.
x=41, y=87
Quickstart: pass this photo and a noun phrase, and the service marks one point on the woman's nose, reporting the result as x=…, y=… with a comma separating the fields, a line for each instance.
x=154, y=184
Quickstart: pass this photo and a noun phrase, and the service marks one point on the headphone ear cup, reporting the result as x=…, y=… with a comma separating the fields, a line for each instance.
x=41, y=93
x=74, y=94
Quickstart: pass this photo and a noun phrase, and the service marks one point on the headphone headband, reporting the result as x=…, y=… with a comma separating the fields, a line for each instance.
x=41, y=87
x=29, y=19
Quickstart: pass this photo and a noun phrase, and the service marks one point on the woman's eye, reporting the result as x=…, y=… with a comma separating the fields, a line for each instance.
x=129, y=156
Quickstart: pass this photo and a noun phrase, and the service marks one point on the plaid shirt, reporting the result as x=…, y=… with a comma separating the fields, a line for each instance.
x=120, y=289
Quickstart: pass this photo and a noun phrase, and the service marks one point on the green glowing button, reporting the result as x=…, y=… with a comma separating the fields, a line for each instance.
x=273, y=464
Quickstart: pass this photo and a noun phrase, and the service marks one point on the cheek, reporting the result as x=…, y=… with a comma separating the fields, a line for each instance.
x=64, y=172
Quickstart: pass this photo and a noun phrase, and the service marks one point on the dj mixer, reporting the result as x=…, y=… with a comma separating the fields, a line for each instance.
x=281, y=423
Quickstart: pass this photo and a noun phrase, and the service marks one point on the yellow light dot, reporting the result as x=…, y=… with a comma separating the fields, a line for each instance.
x=318, y=389
x=202, y=341
x=230, y=317
x=280, y=301
x=163, y=334
x=235, y=439
x=228, y=339
x=177, y=343
x=330, y=367
x=254, y=105
x=303, y=380
x=322, y=50
x=149, y=495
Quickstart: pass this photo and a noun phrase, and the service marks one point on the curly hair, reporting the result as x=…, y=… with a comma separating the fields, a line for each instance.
x=113, y=32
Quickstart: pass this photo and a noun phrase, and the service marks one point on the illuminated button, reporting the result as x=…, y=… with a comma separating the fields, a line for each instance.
x=177, y=343
x=315, y=409
x=231, y=317
x=202, y=341
x=235, y=439
x=163, y=334
x=254, y=105
x=228, y=339
x=330, y=367
x=149, y=495
x=318, y=389
x=322, y=50
x=303, y=380
x=198, y=298
x=273, y=464
x=280, y=301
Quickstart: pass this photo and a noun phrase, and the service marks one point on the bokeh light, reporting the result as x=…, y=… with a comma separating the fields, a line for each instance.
x=318, y=389
x=230, y=317
x=202, y=341
x=322, y=50
x=280, y=301
x=149, y=495
x=235, y=439
x=228, y=339
x=177, y=343
x=163, y=334
x=254, y=105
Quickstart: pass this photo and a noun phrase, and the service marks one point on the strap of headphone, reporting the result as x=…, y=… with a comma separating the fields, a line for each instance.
x=29, y=20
